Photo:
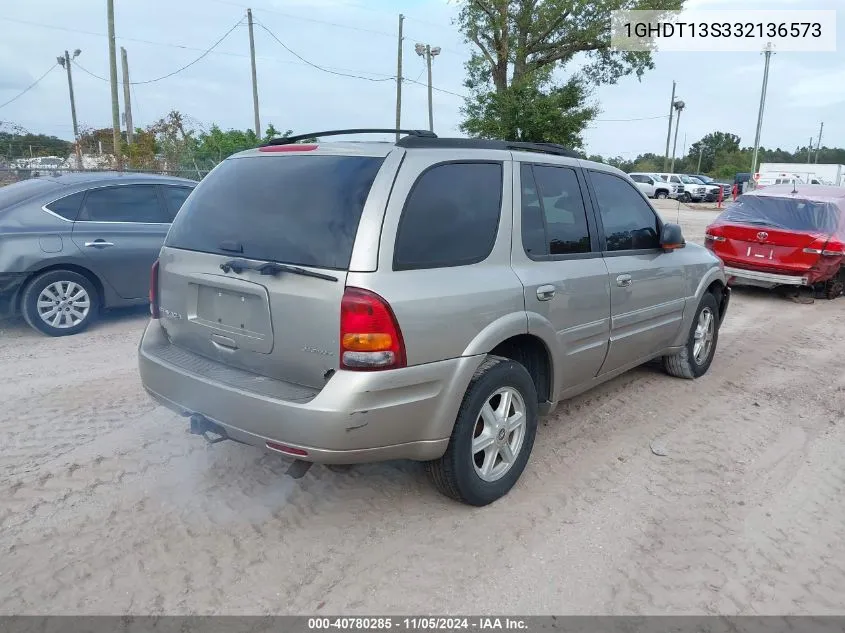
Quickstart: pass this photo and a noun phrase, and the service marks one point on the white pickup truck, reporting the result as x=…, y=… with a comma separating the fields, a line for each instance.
x=654, y=187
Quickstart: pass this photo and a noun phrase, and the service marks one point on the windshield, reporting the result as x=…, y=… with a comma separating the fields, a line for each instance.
x=790, y=214
x=292, y=210
x=705, y=179
x=689, y=181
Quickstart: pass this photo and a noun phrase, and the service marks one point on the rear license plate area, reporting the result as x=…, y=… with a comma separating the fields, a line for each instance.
x=760, y=251
x=233, y=311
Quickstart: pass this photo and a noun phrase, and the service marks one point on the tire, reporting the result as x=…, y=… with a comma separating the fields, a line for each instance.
x=685, y=364
x=687, y=197
x=81, y=299
x=662, y=195
x=459, y=474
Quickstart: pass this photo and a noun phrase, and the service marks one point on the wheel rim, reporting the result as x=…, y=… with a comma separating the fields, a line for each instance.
x=705, y=331
x=63, y=304
x=499, y=434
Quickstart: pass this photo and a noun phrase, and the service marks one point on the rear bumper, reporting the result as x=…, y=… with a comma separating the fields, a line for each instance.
x=10, y=287
x=357, y=417
x=763, y=279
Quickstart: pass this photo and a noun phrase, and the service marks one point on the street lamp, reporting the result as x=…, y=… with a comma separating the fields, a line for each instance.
x=64, y=61
x=427, y=51
x=679, y=106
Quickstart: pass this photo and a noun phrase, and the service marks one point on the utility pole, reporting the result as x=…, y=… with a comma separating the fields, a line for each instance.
x=115, y=104
x=819, y=146
x=810, y=150
x=254, y=74
x=426, y=50
x=768, y=53
x=669, y=133
x=399, y=78
x=127, y=98
x=65, y=61
x=679, y=106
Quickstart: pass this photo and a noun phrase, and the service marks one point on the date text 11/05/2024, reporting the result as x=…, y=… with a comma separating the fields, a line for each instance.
x=431, y=623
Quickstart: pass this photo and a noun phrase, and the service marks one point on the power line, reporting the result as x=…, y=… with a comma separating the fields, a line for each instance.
x=178, y=70
x=318, y=67
x=448, y=92
x=28, y=88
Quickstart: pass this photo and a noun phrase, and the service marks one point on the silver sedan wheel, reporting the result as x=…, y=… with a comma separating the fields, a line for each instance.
x=705, y=330
x=63, y=304
x=499, y=434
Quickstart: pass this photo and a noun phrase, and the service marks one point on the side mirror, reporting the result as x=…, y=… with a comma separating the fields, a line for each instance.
x=672, y=238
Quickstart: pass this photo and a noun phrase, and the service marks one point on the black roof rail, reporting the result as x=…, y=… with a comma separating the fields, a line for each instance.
x=364, y=130
x=481, y=143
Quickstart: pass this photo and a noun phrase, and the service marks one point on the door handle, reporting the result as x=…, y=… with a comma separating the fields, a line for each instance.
x=98, y=244
x=623, y=281
x=546, y=293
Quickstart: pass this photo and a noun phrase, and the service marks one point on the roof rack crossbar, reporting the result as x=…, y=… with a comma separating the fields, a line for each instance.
x=288, y=140
x=480, y=143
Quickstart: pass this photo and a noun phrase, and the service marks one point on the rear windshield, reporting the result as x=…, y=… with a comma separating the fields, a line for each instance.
x=16, y=193
x=289, y=209
x=791, y=214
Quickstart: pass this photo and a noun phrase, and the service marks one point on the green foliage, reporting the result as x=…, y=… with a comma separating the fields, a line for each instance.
x=17, y=143
x=521, y=44
x=529, y=113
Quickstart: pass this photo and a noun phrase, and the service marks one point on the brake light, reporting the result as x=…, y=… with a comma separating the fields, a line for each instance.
x=154, y=311
x=712, y=237
x=294, y=147
x=370, y=338
x=832, y=248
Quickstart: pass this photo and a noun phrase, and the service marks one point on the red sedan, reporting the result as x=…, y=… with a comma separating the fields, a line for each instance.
x=791, y=235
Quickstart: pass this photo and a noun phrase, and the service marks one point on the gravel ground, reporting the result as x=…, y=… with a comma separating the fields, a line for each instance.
x=107, y=505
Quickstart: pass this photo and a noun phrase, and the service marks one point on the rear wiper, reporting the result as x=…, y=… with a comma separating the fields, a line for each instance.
x=238, y=266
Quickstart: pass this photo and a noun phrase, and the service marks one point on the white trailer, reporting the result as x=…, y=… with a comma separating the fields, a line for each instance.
x=830, y=174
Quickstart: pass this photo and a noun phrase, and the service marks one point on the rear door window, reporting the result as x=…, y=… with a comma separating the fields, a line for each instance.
x=124, y=203
x=451, y=217
x=300, y=210
x=175, y=198
x=67, y=207
x=554, y=218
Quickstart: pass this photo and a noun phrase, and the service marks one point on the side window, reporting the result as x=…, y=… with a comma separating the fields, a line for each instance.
x=554, y=218
x=638, y=178
x=175, y=197
x=126, y=203
x=67, y=207
x=675, y=179
x=629, y=223
x=451, y=217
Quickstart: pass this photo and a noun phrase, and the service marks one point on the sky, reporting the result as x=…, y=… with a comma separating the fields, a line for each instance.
x=359, y=37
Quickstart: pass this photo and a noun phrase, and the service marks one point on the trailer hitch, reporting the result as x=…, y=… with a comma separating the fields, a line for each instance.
x=200, y=425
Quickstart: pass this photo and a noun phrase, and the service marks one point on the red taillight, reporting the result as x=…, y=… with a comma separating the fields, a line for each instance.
x=154, y=312
x=294, y=147
x=826, y=248
x=283, y=448
x=370, y=338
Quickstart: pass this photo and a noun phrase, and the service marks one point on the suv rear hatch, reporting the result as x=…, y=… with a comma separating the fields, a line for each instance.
x=253, y=270
x=782, y=234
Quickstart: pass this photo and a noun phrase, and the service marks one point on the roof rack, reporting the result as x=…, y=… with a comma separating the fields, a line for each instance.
x=288, y=140
x=478, y=143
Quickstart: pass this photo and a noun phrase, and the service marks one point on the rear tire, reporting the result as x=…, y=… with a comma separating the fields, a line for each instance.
x=492, y=437
x=694, y=361
x=60, y=303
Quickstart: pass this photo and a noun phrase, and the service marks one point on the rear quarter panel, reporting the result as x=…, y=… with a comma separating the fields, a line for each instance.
x=455, y=311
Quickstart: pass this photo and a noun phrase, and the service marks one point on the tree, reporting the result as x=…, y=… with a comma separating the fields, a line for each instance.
x=521, y=43
x=710, y=146
x=16, y=142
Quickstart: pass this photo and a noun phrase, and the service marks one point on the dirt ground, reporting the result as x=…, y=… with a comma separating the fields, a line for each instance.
x=107, y=505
